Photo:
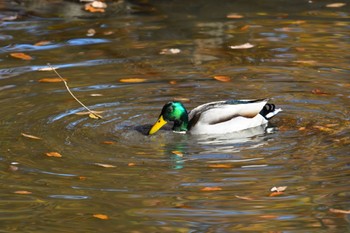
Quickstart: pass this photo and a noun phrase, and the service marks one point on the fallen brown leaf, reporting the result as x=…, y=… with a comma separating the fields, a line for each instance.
x=41, y=43
x=222, y=78
x=279, y=189
x=178, y=153
x=319, y=92
x=101, y=216
x=23, y=192
x=132, y=80
x=322, y=128
x=108, y=142
x=87, y=113
x=104, y=165
x=244, y=198
x=220, y=165
x=131, y=164
x=338, y=211
x=211, y=189
x=51, y=80
x=53, y=154
x=336, y=5
x=30, y=136
x=276, y=194
x=234, y=16
x=242, y=46
x=22, y=56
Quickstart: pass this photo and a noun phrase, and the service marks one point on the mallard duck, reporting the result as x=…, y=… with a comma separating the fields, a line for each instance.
x=216, y=117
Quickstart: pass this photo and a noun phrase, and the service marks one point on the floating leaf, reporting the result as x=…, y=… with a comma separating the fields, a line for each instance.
x=101, y=216
x=23, y=192
x=96, y=6
x=22, y=56
x=276, y=194
x=336, y=5
x=211, y=189
x=172, y=82
x=244, y=28
x=87, y=113
x=234, y=16
x=244, y=198
x=306, y=62
x=104, y=165
x=91, y=32
x=82, y=177
x=319, y=92
x=220, y=165
x=131, y=164
x=178, y=153
x=47, y=69
x=322, y=128
x=53, y=154
x=30, y=136
x=51, y=80
x=279, y=189
x=222, y=78
x=96, y=94
x=338, y=211
x=42, y=43
x=132, y=80
x=170, y=51
x=94, y=116
x=242, y=46
x=108, y=142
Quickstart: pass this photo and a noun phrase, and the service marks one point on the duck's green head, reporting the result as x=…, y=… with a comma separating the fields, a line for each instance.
x=172, y=111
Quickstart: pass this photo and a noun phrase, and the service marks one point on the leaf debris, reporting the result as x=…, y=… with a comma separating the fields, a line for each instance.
x=30, y=136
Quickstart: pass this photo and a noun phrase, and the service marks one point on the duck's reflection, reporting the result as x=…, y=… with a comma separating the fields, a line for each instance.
x=214, y=147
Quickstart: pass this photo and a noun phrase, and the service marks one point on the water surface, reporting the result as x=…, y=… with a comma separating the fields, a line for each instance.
x=155, y=183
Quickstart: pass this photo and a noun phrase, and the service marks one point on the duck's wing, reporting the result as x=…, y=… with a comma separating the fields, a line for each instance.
x=222, y=111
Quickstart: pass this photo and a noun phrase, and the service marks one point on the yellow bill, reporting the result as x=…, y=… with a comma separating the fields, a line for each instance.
x=159, y=124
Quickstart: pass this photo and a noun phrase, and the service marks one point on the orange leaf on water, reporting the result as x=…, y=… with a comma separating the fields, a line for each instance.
x=211, y=189
x=132, y=80
x=131, y=164
x=51, y=80
x=101, y=216
x=276, y=194
x=41, y=43
x=22, y=56
x=220, y=165
x=30, y=136
x=108, y=142
x=234, y=16
x=22, y=192
x=53, y=154
x=222, y=78
x=178, y=153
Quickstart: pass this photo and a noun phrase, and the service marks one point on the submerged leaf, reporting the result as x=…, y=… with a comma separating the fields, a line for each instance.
x=30, y=136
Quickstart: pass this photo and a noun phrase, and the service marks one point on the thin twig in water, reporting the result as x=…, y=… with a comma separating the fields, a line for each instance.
x=70, y=92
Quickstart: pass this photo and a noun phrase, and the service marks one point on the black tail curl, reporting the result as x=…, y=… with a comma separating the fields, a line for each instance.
x=267, y=109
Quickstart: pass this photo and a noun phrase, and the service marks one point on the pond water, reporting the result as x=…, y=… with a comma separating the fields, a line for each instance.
x=173, y=182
